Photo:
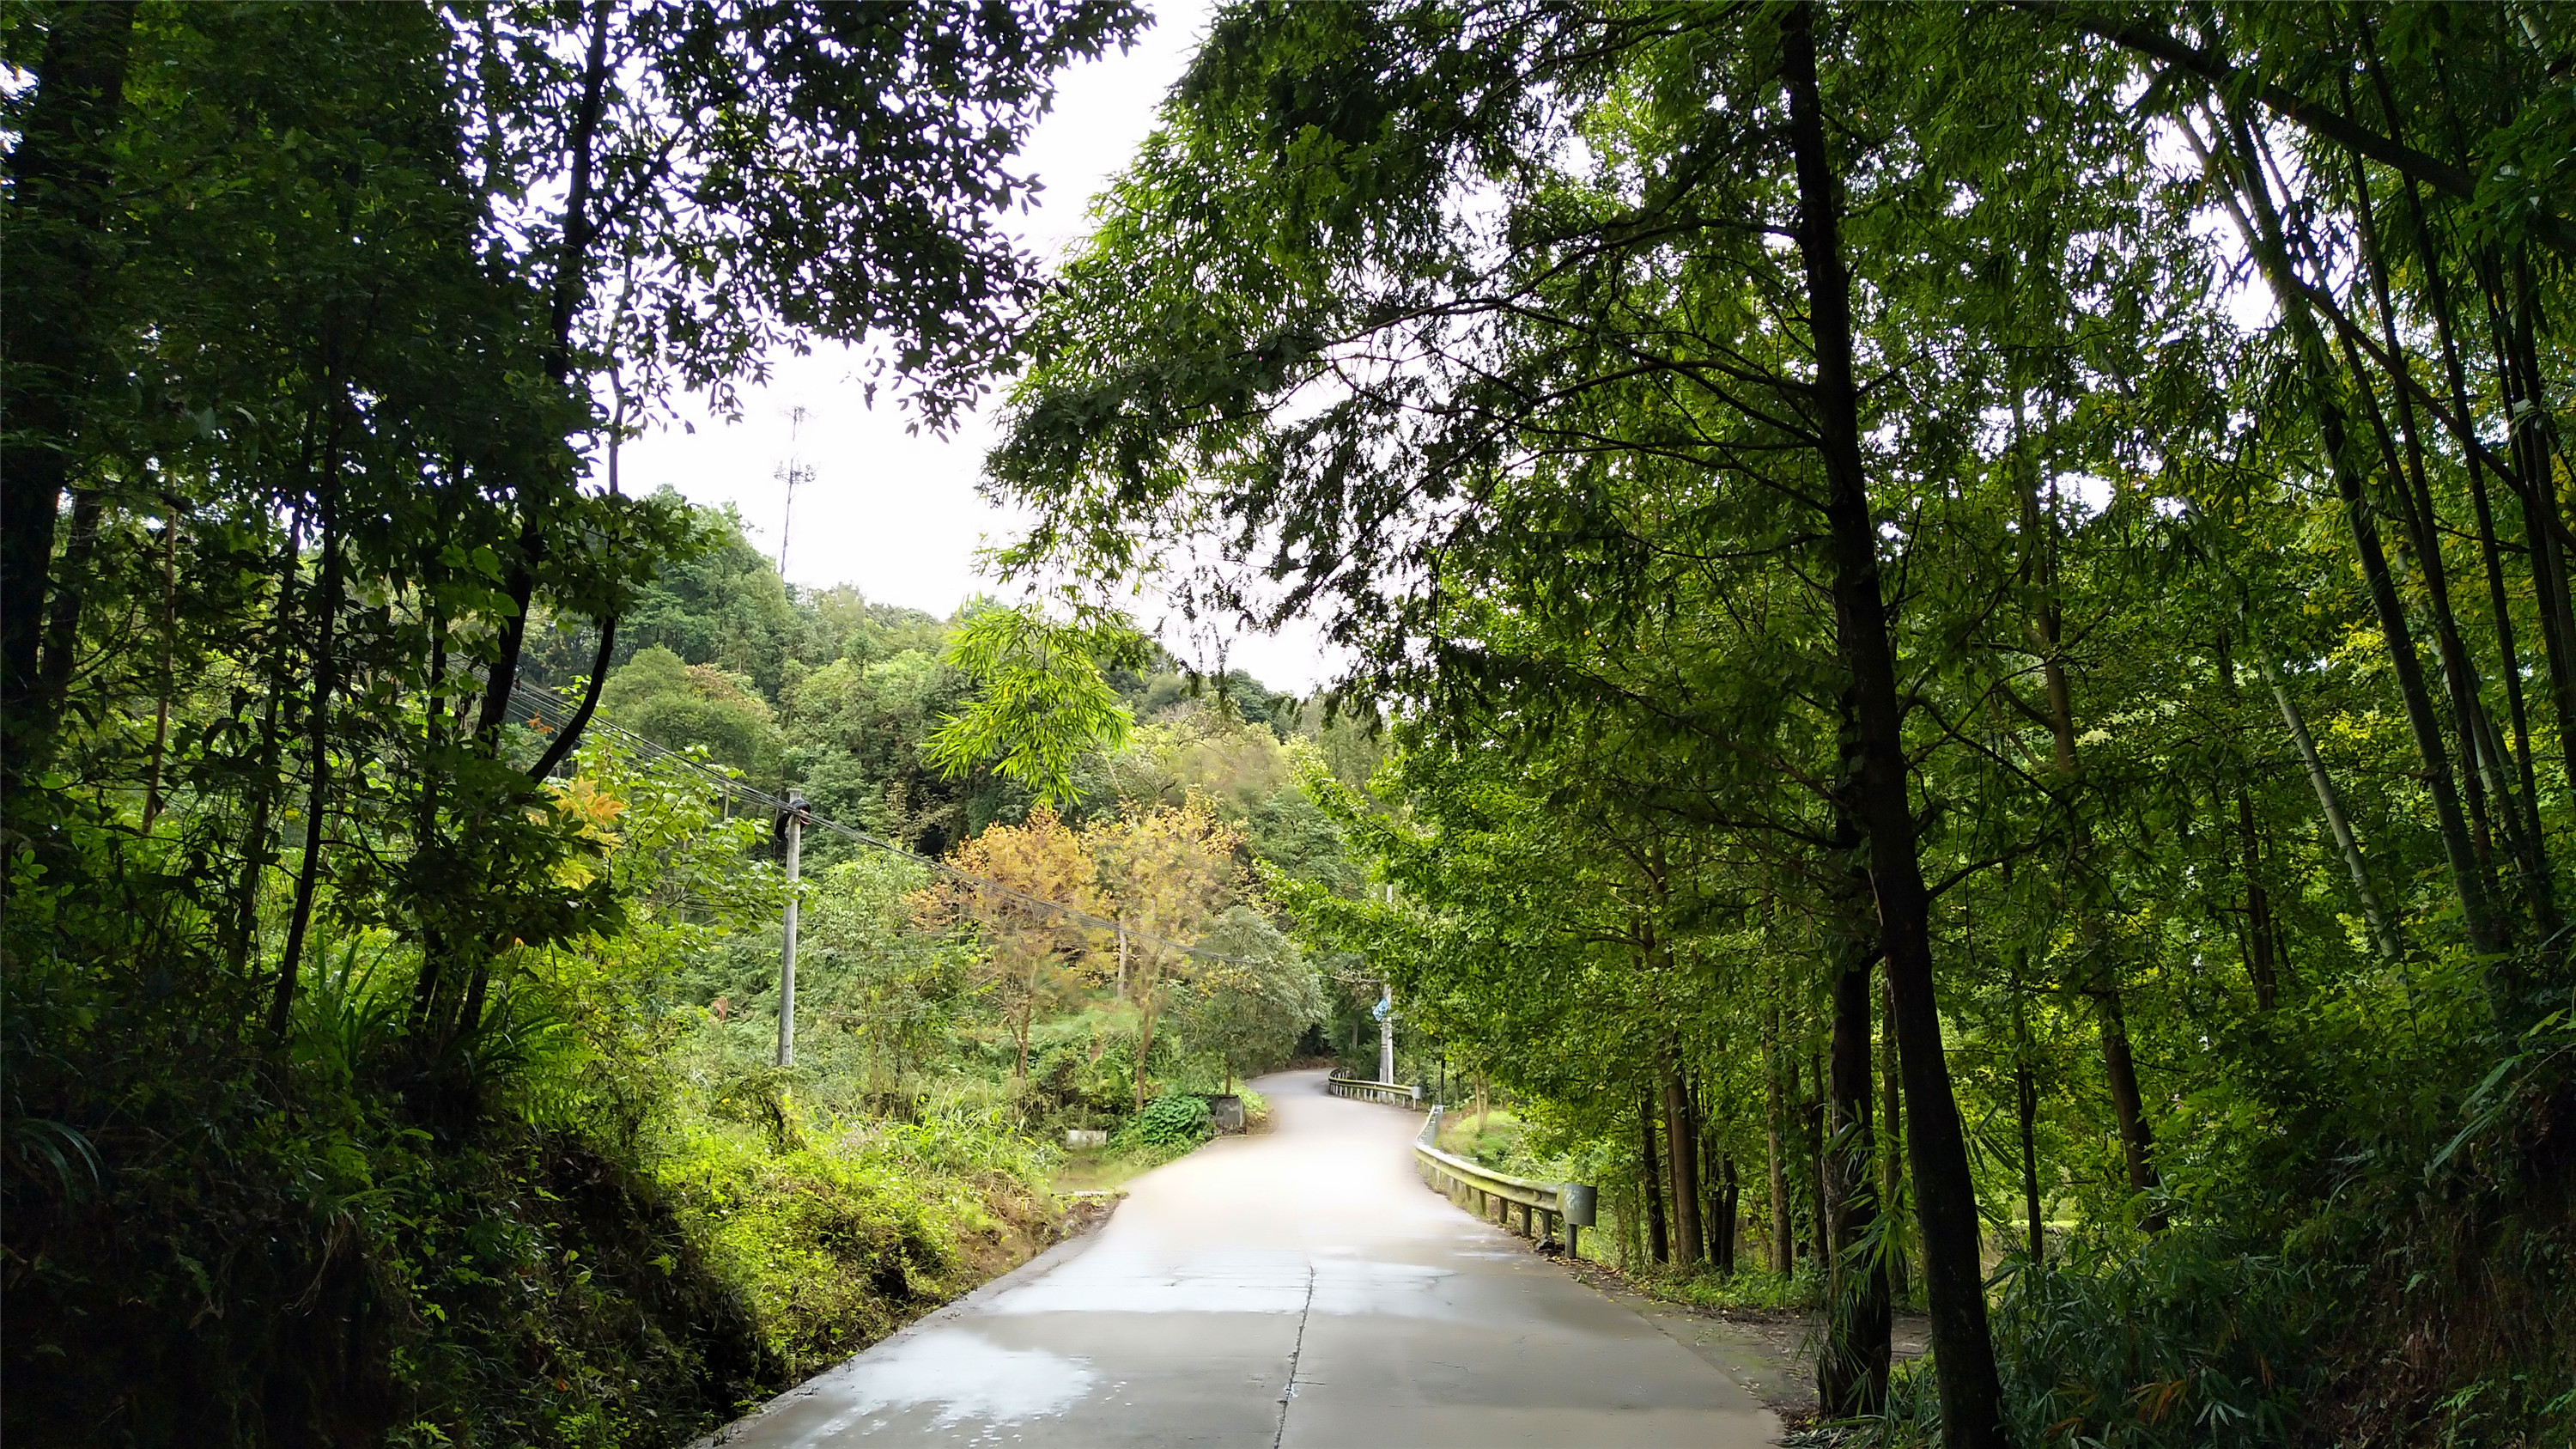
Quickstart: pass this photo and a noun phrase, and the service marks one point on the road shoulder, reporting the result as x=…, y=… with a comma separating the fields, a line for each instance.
x=1080, y=1224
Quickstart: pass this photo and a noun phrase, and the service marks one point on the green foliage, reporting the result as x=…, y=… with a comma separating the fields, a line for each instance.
x=722, y=606
x=1044, y=702
x=679, y=705
x=1751, y=1290
x=1719, y=588
x=2190, y=1340
x=854, y=1228
x=1249, y=1010
x=1171, y=1120
x=343, y=1009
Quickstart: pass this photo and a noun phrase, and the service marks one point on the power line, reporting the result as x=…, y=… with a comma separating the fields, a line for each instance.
x=544, y=706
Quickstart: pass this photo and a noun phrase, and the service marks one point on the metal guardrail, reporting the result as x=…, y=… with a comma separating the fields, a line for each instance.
x=1543, y=1205
x=1394, y=1094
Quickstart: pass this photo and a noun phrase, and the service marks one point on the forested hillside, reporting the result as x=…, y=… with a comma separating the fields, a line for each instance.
x=1977, y=605
x=392, y=961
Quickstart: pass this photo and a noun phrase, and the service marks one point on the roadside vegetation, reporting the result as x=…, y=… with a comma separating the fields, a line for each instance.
x=1974, y=606
x=392, y=953
x=1962, y=690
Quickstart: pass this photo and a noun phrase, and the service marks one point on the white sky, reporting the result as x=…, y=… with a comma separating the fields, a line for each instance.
x=895, y=514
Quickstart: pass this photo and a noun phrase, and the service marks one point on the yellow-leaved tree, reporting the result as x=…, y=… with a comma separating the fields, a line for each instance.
x=1030, y=874
x=1167, y=874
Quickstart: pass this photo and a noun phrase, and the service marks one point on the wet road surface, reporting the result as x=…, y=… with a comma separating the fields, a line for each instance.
x=1298, y=1288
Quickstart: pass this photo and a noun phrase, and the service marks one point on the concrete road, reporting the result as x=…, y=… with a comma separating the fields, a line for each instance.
x=1297, y=1288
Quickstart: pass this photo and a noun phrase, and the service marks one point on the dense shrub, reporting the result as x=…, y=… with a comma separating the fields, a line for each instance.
x=1167, y=1121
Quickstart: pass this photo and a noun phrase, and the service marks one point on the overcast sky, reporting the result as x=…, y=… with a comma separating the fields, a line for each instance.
x=898, y=515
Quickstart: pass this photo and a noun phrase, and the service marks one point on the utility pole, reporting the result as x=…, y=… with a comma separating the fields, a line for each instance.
x=791, y=472
x=792, y=825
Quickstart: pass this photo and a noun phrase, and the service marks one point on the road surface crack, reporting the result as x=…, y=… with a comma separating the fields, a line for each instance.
x=1294, y=1351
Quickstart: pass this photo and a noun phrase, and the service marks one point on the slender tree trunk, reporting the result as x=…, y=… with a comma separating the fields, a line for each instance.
x=1944, y=1193
x=2527, y=410
x=317, y=798
x=469, y=1015
x=2272, y=254
x=2490, y=774
x=569, y=736
x=1020, y=1036
x=2093, y=942
x=434, y=942
x=1891, y=1157
x=1820, y=1188
x=571, y=287
x=2482, y=772
x=2137, y=1139
x=1681, y=1145
x=1774, y=1125
x=2026, y=1100
x=1144, y=1046
x=256, y=844
x=2499, y=611
x=1710, y=1153
x=61, y=175
x=1851, y=1369
x=169, y=667
x=1730, y=1217
x=2260, y=967
x=2330, y=804
x=1658, y=1244
x=2405, y=479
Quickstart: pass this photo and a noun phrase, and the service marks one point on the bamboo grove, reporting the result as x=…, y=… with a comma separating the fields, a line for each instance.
x=1977, y=605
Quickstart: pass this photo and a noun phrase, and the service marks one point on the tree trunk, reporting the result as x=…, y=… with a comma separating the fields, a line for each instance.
x=1944, y=1193
x=2260, y=967
x=1144, y=1048
x=1658, y=1245
x=2026, y=1099
x=317, y=798
x=1891, y=1159
x=2100, y=975
x=2271, y=253
x=571, y=287
x=1820, y=1188
x=1730, y=1217
x=63, y=614
x=61, y=175
x=2499, y=610
x=2490, y=775
x=1681, y=1145
x=2330, y=803
x=2527, y=404
x=1851, y=1368
x=169, y=668
x=1774, y=1125
x=1707, y=1154
x=256, y=849
x=2137, y=1139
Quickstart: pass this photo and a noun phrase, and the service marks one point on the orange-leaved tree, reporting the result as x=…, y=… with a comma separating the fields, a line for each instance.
x=1033, y=877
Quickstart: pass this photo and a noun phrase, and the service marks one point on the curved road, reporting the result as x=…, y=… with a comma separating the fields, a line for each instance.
x=1301, y=1287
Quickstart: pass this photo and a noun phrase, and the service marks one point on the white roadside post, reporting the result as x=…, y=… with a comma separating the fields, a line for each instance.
x=1385, y=1034
x=793, y=823
x=1386, y=1015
